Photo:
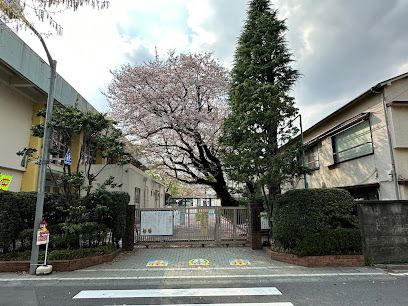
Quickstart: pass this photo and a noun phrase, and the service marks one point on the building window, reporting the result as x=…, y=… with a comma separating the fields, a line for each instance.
x=312, y=158
x=354, y=142
x=136, y=200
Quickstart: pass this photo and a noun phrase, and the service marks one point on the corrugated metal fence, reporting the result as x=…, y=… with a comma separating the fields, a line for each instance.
x=192, y=225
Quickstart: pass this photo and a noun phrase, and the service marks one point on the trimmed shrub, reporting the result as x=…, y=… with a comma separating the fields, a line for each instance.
x=64, y=254
x=109, y=209
x=72, y=222
x=308, y=221
x=340, y=241
x=80, y=253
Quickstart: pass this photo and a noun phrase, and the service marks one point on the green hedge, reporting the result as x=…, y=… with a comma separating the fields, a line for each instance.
x=60, y=254
x=71, y=222
x=339, y=241
x=80, y=253
x=316, y=222
x=109, y=208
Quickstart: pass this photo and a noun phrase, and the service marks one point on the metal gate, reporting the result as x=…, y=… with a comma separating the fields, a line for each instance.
x=192, y=225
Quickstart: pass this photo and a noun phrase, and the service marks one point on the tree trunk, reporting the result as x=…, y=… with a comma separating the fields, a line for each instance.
x=220, y=187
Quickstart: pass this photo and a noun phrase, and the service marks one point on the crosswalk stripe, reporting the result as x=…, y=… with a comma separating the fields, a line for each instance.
x=160, y=293
x=228, y=304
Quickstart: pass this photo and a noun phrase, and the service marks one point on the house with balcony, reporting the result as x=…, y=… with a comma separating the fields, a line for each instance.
x=24, y=83
x=363, y=146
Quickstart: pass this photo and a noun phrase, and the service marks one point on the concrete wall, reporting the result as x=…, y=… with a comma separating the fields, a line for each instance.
x=15, y=119
x=152, y=193
x=384, y=226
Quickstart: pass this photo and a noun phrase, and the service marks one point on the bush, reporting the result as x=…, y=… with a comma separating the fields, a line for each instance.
x=81, y=253
x=64, y=254
x=302, y=217
x=109, y=209
x=20, y=256
x=340, y=241
x=71, y=222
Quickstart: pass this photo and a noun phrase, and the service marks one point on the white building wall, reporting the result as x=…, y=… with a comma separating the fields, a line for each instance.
x=152, y=193
x=15, y=119
x=365, y=170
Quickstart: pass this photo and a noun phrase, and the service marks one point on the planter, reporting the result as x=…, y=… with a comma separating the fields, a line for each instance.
x=60, y=265
x=319, y=261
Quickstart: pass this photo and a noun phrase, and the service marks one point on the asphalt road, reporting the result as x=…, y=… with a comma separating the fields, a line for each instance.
x=330, y=290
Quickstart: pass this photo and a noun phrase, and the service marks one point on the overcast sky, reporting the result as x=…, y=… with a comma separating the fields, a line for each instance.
x=341, y=48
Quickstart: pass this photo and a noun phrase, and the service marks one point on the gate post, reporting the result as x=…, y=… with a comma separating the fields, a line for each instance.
x=129, y=237
x=255, y=236
x=217, y=231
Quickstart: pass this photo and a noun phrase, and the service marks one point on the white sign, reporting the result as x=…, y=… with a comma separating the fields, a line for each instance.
x=68, y=158
x=42, y=238
x=265, y=221
x=156, y=223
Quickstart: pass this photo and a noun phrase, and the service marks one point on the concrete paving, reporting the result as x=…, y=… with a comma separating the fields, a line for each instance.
x=178, y=263
x=129, y=275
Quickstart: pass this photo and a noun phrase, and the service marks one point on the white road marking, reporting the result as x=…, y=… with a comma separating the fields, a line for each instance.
x=41, y=279
x=161, y=293
x=398, y=274
x=228, y=304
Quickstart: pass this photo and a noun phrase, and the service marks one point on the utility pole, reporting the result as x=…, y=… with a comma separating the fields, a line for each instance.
x=44, y=160
x=14, y=10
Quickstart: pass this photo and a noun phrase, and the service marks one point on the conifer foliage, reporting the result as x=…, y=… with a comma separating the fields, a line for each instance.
x=261, y=106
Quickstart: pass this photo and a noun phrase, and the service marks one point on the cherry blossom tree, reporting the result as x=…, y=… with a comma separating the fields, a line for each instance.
x=174, y=108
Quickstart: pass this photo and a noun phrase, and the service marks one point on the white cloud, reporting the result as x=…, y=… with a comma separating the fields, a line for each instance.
x=340, y=47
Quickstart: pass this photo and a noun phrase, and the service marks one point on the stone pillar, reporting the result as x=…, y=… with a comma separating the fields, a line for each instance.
x=255, y=226
x=129, y=237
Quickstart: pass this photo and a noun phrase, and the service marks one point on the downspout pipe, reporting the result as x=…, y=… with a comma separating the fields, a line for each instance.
x=390, y=145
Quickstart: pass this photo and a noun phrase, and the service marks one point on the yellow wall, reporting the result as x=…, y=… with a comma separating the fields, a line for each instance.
x=30, y=177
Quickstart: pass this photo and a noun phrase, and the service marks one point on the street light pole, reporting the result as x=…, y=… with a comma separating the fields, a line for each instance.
x=14, y=10
x=303, y=149
x=303, y=145
x=43, y=167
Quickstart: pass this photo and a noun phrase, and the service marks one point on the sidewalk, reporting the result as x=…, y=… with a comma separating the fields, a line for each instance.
x=182, y=263
x=394, y=269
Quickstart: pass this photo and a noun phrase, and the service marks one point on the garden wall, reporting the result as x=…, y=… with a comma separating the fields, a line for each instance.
x=384, y=228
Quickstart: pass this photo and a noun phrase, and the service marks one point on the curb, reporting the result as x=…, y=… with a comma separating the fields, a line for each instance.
x=318, y=261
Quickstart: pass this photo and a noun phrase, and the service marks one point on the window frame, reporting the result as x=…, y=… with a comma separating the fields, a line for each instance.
x=333, y=140
x=137, y=203
x=314, y=162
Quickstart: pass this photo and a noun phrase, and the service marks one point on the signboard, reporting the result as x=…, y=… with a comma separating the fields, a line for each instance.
x=156, y=223
x=5, y=181
x=265, y=221
x=42, y=238
x=68, y=158
x=43, y=235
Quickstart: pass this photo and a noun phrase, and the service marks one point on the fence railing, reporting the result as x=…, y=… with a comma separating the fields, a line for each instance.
x=192, y=225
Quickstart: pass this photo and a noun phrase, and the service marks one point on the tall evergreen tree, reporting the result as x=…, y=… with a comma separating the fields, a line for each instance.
x=261, y=106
